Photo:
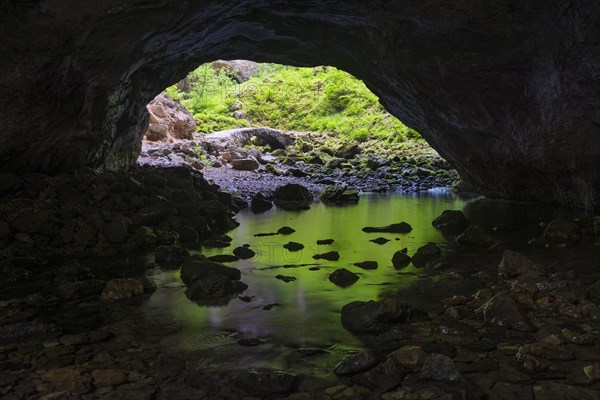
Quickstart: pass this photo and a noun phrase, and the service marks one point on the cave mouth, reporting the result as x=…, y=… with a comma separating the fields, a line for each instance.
x=314, y=125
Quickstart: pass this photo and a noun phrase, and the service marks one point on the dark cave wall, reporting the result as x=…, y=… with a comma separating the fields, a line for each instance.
x=507, y=91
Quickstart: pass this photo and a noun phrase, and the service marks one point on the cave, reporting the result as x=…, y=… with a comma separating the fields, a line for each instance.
x=120, y=279
x=504, y=91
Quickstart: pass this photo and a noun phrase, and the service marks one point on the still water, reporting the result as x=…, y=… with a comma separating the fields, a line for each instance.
x=303, y=322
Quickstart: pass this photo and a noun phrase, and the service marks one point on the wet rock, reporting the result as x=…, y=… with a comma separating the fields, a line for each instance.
x=249, y=342
x=170, y=256
x=545, y=350
x=108, y=377
x=502, y=311
x=409, y=356
x=284, y=278
x=285, y=230
x=383, y=377
x=167, y=238
x=243, y=253
x=562, y=231
x=259, y=203
x=20, y=330
x=265, y=383
x=293, y=246
x=343, y=278
x=224, y=258
x=116, y=231
x=324, y=242
x=121, y=289
x=367, y=264
x=245, y=164
x=380, y=240
x=426, y=253
x=439, y=367
x=73, y=379
x=215, y=243
x=79, y=290
x=451, y=222
x=400, y=260
x=401, y=227
x=214, y=288
x=514, y=264
x=339, y=194
x=329, y=256
x=357, y=363
x=475, y=235
x=377, y=316
x=197, y=267
x=292, y=193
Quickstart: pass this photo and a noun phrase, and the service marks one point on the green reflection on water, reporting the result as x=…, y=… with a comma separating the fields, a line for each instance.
x=307, y=310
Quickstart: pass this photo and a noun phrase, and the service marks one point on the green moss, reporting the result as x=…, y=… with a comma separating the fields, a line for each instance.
x=320, y=99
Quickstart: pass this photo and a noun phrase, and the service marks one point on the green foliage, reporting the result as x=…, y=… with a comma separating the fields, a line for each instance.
x=320, y=99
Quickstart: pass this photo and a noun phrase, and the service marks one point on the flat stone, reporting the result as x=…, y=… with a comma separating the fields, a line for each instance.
x=401, y=227
x=439, y=367
x=329, y=256
x=367, y=264
x=357, y=363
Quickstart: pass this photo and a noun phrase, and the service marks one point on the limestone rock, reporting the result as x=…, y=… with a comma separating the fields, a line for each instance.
x=169, y=119
x=451, y=221
x=426, y=253
x=339, y=194
x=245, y=164
x=514, y=264
x=439, y=367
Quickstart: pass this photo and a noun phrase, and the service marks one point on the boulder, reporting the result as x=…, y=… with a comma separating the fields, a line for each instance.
x=451, y=222
x=514, y=264
x=377, y=316
x=476, y=236
x=197, y=267
x=357, y=363
x=260, y=203
x=343, y=278
x=292, y=193
x=245, y=164
x=240, y=70
x=503, y=311
x=243, y=252
x=170, y=256
x=339, y=194
x=562, y=231
x=426, y=253
x=169, y=119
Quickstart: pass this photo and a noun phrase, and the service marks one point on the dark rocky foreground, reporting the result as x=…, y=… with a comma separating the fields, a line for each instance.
x=499, y=323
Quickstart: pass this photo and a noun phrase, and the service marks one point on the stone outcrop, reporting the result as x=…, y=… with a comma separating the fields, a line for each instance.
x=169, y=120
x=506, y=91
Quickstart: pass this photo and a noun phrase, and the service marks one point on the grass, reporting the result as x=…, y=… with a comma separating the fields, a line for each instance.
x=320, y=99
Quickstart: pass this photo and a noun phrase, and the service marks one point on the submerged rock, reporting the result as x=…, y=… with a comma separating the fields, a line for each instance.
x=380, y=240
x=215, y=243
x=377, y=316
x=452, y=222
x=324, y=242
x=329, y=256
x=224, y=258
x=214, y=288
x=339, y=194
x=293, y=246
x=197, y=267
x=400, y=259
x=285, y=278
x=367, y=264
x=343, y=278
x=401, y=227
x=357, y=363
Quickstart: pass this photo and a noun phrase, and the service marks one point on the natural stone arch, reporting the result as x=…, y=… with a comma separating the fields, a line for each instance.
x=507, y=91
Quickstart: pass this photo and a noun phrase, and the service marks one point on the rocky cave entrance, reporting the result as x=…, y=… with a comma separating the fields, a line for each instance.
x=251, y=127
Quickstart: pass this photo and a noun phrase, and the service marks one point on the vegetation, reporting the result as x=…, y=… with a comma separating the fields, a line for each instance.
x=320, y=99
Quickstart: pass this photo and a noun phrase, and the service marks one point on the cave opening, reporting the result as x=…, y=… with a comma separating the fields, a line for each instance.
x=238, y=119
